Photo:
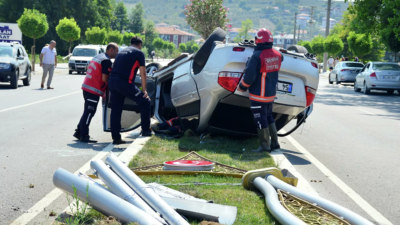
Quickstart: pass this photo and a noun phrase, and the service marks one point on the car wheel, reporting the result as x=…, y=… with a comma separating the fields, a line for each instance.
x=366, y=90
x=329, y=79
x=337, y=80
x=14, y=80
x=201, y=57
x=152, y=68
x=390, y=92
x=356, y=89
x=27, y=80
x=298, y=49
x=70, y=72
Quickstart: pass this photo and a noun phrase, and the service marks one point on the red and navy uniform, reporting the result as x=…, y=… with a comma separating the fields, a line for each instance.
x=260, y=78
x=122, y=84
x=93, y=87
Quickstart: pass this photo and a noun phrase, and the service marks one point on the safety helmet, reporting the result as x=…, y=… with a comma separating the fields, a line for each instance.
x=263, y=36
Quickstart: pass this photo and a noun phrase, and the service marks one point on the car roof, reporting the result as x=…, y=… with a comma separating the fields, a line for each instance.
x=10, y=44
x=89, y=46
x=385, y=63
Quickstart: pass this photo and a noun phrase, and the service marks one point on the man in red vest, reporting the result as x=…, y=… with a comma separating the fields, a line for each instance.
x=93, y=87
x=260, y=78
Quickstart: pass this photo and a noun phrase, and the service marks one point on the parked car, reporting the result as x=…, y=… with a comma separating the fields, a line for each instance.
x=200, y=89
x=81, y=57
x=14, y=64
x=345, y=72
x=378, y=76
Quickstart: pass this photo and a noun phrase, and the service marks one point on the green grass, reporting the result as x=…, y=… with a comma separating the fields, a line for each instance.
x=251, y=205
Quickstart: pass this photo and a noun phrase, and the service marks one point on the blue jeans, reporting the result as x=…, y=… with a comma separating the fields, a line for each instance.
x=262, y=114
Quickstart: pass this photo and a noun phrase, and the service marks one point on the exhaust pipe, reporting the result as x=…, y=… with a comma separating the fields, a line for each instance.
x=145, y=192
x=101, y=199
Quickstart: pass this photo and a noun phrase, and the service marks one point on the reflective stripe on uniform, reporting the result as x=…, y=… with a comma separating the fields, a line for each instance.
x=133, y=71
x=92, y=89
x=263, y=84
x=261, y=98
x=244, y=84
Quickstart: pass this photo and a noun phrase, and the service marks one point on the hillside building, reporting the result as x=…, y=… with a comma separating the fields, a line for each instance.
x=283, y=40
x=161, y=25
x=332, y=23
x=174, y=35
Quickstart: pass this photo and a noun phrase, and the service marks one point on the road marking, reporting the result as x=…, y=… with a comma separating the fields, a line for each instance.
x=55, y=193
x=377, y=216
x=37, y=102
x=362, y=110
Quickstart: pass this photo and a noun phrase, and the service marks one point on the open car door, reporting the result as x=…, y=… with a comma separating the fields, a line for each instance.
x=130, y=118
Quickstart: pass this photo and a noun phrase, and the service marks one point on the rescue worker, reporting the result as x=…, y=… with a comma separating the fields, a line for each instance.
x=122, y=84
x=261, y=78
x=93, y=87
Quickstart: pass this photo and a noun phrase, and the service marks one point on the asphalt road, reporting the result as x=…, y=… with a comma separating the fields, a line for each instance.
x=356, y=137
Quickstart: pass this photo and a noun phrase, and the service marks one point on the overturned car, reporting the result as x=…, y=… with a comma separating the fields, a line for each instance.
x=200, y=89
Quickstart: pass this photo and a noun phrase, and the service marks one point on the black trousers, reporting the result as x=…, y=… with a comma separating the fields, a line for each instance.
x=262, y=114
x=91, y=102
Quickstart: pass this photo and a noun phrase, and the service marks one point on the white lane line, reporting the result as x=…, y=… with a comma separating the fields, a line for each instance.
x=55, y=193
x=377, y=216
x=362, y=110
x=44, y=100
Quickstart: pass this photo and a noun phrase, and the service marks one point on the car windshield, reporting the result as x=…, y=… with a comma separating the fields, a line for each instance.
x=385, y=66
x=353, y=65
x=6, y=51
x=84, y=52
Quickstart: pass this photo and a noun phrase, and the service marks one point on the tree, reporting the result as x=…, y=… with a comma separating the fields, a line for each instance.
x=150, y=33
x=182, y=47
x=306, y=44
x=189, y=45
x=115, y=36
x=158, y=43
x=137, y=20
x=279, y=26
x=333, y=44
x=171, y=46
x=104, y=9
x=96, y=35
x=34, y=25
x=204, y=16
x=360, y=44
x=317, y=45
x=195, y=47
x=121, y=17
x=244, y=31
x=69, y=31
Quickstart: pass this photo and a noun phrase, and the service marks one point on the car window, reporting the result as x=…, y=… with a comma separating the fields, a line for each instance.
x=353, y=65
x=84, y=52
x=363, y=69
x=21, y=52
x=337, y=66
x=385, y=66
x=6, y=51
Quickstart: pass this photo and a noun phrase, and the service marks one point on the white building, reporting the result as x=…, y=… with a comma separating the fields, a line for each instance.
x=283, y=40
x=302, y=21
x=332, y=23
x=161, y=25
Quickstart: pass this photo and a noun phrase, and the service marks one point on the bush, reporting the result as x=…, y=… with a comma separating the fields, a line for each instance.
x=176, y=53
x=145, y=52
x=115, y=36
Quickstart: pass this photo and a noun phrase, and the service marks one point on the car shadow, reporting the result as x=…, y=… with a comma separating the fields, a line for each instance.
x=294, y=159
x=6, y=86
x=93, y=146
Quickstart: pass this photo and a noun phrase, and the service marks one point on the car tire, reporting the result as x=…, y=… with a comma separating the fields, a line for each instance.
x=152, y=67
x=356, y=89
x=201, y=57
x=366, y=90
x=27, y=80
x=337, y=81
x=14, y=80
x=298, y=49
x=329, y=79
x=70, y=72
x=390, y=92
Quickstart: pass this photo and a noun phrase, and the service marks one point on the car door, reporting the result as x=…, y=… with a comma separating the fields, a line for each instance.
x=359, y=76
x=130, y=118
x=334, y=71
x=21, y=62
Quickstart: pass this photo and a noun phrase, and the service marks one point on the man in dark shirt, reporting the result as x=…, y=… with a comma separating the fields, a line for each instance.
x=122, y=84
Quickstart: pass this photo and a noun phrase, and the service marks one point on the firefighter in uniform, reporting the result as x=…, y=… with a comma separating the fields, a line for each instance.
x=122, y=84
x=93, y=87
x=260, y=78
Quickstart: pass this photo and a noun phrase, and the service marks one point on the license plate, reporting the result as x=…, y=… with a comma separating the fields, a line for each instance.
x=81, y=66
x=389, y=77
x=285, y=87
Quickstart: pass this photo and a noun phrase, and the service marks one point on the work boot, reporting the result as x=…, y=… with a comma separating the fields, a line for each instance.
x=118, y=142
x=274, y=136
x=147, y=133
x=77, y=134
x=87, y=139
x=263, y=137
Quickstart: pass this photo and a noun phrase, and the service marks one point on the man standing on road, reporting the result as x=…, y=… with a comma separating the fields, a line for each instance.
x=153, y=53
x=93, y=87
x=48, y=60
x=261, y=78
x=122, y=84
x=331, y=61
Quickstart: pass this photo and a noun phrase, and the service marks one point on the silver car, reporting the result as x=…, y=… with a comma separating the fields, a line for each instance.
x=378, y=76
x=345, y=72
x=200, y=89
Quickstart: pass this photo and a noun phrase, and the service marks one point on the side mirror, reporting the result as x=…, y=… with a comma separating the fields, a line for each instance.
x=20, y=58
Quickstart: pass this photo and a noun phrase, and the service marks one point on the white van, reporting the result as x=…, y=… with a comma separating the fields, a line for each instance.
x=81, y=57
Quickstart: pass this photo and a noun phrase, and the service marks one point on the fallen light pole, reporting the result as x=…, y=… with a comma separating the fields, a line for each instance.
x=121, y=189
x=101, y=199
x=145, y=192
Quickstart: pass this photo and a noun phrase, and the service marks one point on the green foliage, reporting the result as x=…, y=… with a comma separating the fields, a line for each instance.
x=137, y=20
x=189, y=45
x=115, y=36
x=195, y=47
x=80, y=215
x=165, y=45
x=171, y=46
x=360, y=44
x=244, y=31
x=96, y=35
x=333, y=44
x=176, y=53
x=306, y=44
x=128, y=36
x=158, y=43
x=68, y=30
x=121, y=17
x=204, y=16
x=279, y=26
x=145, y=52
x=105, y=11
x=182, y=47
x=150, y=34
x=33, y=23
x=317, y=45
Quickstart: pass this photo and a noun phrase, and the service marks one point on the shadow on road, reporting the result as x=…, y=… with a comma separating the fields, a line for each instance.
x=294, y=159
x=6, y=86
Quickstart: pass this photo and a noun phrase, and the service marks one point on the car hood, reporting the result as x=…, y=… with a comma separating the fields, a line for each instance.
x=81, y=58
x=6, y=60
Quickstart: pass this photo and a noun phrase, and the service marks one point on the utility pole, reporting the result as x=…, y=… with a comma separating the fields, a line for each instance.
x=294, y=35
x=298, y=37
x=328, y=20
x=311, y=21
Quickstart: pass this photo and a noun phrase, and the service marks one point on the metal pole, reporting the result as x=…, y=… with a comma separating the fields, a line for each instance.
x=273, y=204
x=336, y=209
x=294, y=35
x=121, y=189
x=144, y=191
x=298, y=37
x=327, y=26
x=100, y=198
